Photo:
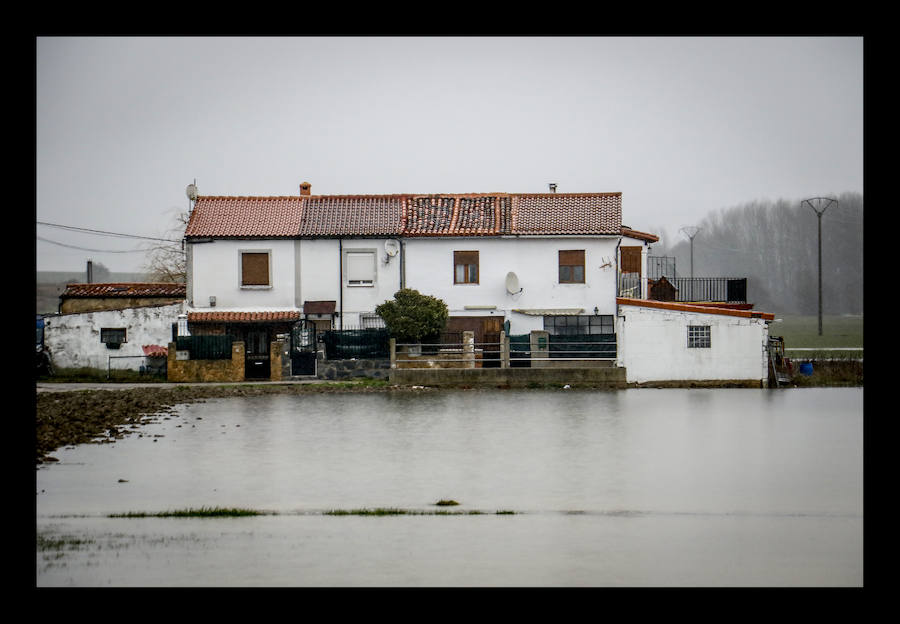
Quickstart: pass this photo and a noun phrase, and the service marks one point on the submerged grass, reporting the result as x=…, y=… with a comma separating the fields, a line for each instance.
x=202, y=512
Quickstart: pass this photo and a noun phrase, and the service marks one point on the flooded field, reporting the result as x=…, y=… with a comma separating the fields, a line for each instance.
x=680, y=487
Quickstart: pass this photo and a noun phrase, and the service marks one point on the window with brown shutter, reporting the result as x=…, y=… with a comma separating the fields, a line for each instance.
x=631, y=259
x=571, y=266
x=254, y=268
x=465, y=267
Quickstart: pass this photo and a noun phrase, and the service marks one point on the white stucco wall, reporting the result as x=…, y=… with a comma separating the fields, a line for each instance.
x=74, y=339
x=652, y=346
x=215, y=271
x=535, y=261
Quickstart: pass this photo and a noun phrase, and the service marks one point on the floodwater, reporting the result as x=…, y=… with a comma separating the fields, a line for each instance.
x=638, y=487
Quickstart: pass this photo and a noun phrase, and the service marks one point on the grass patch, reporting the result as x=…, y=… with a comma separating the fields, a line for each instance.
x=97, y=375
x=803, y=331
x=392, y=511
x=202, y=512
x=446, y=503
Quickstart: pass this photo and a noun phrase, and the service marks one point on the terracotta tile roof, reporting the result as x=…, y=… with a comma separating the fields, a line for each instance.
x=245, y=216
x=351, y=215
x=243, y=317
x=567, y=213
x=122, y=289
x=469, y=214
x=650, y=238
x=701, y=309
x=155, y=350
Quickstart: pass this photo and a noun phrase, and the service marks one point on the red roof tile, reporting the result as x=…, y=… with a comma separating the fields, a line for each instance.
x=155, y=350
x=470, y=214
x=698, y=308
x=351, y=215
x=650, y=238
x=121, y=289
x=245, y=216
x=567, y=213
x=243, y=317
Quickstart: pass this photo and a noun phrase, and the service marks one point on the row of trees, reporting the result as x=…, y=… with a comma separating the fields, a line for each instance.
x=775, y=245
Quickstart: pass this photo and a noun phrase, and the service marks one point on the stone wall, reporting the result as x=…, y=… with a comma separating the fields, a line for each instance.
x=207, y=370
x=353, y=369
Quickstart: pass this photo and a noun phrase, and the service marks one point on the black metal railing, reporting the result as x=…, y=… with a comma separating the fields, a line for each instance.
x=685, y=289
x=356, y=343
x=205, y=347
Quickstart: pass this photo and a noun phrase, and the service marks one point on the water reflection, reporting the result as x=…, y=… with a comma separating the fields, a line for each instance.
x=670, y=486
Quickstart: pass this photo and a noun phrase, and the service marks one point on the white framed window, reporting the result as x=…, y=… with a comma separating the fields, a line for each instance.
x=255, y=268
x=360, y=267
x=698, y=337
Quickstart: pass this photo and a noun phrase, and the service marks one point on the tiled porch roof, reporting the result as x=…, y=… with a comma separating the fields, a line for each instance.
x=126, y=289
x=697, y=308
x=243, y=317
x=469, y=214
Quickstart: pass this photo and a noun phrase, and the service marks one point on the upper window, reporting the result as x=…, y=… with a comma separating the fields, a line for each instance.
x=113, y=337
x=698, y=337
x=255, y=268
x=465, y=267
x=631, y=259
x=571, y=266
x=360, y=268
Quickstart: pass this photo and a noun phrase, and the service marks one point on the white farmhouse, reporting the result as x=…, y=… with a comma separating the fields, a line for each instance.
x=259, y=267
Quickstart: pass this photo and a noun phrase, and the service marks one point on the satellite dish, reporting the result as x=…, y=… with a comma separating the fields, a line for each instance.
x=512, y=283
x=391, y=247
x=191, y=191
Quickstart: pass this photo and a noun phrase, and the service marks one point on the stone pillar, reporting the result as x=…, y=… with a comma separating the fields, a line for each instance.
x=504, y=350
x=393, y=343
x=540, y=348
x=238, y=362
x=468, y=354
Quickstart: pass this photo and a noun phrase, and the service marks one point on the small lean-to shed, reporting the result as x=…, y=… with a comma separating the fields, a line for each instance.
x=671, y=342
x=118, y=296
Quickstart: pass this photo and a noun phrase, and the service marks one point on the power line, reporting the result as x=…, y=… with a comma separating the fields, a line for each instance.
x=105, y=233
x=46, y=240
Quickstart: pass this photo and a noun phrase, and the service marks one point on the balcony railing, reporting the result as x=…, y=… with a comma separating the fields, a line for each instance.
x=686, y=289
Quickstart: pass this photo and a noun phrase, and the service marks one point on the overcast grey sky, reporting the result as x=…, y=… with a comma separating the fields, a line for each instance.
x=681, y=126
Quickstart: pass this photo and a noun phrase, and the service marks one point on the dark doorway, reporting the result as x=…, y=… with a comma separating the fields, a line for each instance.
x=257, y=364
x=303, y=348
x=486, y=330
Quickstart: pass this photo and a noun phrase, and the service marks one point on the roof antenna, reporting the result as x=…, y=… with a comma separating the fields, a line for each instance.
x=552, y=186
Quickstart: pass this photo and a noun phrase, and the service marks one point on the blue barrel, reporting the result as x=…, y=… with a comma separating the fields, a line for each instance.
x=806, y=369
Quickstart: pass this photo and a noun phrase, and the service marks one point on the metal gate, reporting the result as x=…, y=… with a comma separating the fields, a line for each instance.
x=303, y=348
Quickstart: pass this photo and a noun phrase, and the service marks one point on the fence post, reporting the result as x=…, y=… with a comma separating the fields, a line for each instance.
x=468, y=349
x=393, y=343
x=504, y=350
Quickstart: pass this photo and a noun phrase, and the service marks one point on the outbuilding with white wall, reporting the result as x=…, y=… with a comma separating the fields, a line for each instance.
x=663, y=341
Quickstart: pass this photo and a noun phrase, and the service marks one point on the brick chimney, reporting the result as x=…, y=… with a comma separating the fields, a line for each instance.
x=304, y=188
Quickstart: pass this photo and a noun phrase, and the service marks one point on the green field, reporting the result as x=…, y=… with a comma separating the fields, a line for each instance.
x=803, y=331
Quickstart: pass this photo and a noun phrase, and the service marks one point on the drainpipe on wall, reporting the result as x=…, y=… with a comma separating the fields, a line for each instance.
x=340, y=283
x=402, y=264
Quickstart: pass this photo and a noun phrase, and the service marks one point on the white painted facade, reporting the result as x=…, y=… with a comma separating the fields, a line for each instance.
x=74, y=339
x=652, y=346
x=535, y=262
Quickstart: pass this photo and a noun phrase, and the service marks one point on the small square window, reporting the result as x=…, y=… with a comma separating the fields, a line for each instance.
x=255, y=268
x=698, y=337
x=571, y=266
x=112, y=337
x=465, y=267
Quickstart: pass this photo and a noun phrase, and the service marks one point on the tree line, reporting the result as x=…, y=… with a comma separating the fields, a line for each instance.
x=775, y=245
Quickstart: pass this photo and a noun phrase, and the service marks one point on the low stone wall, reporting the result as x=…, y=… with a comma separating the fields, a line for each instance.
x=606, y=377
x=207, y=370
x=353, y=369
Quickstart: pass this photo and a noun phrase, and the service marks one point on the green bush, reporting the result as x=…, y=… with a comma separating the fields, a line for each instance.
x=413, y=317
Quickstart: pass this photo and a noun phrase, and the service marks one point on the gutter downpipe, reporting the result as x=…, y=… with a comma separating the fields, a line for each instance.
x=340, y=283
x=402, y=264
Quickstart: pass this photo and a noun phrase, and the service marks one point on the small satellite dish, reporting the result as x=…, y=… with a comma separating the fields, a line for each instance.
x=512, y=283
x=391, y=247
x=191, y=191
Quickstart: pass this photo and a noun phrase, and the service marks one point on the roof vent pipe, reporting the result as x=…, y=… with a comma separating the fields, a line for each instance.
x=304, y=188
x=552, y=186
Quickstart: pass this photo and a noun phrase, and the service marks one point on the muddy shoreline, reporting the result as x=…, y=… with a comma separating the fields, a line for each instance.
x=68, y=418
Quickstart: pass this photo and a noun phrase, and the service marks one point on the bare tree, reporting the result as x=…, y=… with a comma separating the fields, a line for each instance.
x=165, y=261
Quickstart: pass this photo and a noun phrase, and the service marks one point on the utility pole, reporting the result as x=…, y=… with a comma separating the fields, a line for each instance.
x=819, y=205
x=691, y=231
